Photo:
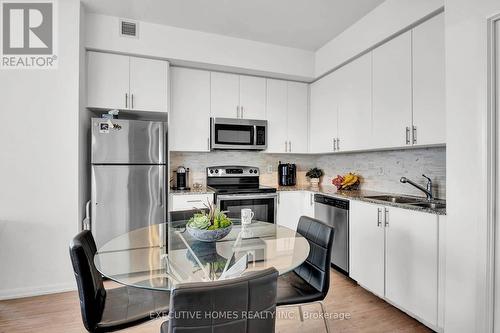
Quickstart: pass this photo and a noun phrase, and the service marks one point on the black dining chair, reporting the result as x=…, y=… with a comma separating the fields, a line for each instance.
x=245, y=305
x=309, y=283
x=107, y=310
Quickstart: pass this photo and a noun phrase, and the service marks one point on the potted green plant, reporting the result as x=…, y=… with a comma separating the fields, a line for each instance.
x=314, y=175
x=209, y=226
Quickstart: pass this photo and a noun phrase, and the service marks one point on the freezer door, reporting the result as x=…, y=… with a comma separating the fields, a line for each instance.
x=117, y=141
x=125, y=198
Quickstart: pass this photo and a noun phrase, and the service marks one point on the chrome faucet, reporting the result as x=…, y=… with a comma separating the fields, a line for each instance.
x=427, y=190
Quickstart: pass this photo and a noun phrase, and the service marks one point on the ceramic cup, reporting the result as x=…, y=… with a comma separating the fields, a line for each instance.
x=246, y=216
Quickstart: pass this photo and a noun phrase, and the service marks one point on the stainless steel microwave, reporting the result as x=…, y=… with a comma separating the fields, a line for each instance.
x=242, y=134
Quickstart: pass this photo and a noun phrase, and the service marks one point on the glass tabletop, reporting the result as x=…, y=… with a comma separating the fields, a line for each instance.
x=163, y=255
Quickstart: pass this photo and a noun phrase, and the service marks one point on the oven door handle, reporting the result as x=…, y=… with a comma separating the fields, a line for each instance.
x=246, y=196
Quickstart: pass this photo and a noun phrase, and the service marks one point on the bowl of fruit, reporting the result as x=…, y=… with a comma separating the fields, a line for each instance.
x=209, y=226
x=347, y=182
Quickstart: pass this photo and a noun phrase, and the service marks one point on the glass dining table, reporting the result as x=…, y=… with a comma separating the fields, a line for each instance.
x=161, y=256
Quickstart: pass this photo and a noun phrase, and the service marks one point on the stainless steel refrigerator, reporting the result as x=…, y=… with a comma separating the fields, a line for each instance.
x=129, y=165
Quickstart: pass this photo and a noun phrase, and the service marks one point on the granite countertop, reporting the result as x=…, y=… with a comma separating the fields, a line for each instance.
x=362, y=195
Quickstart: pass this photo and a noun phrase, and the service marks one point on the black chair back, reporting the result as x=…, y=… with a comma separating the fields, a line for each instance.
x=89, y=281
x=316, y=269
x=246, y=305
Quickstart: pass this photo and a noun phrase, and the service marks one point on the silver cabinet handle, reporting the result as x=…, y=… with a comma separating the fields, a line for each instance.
x=338, y=144
x=237, y=111
x=334, y=141
x=286, y=147
x=278, y=198
x=312, y=196
x=414, y=128
x=126, y=101
x=208, y=143
x=407, y=135
x=193, y=200
x=379, y=219
x=132, y=99
x=289, y=146
x=160, y=186
x=386, y=217
x=241, y=112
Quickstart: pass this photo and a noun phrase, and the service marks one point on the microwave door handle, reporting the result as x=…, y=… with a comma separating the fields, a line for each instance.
x=255, y=136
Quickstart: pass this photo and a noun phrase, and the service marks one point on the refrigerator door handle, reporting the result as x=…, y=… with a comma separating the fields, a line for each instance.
x=160, y=186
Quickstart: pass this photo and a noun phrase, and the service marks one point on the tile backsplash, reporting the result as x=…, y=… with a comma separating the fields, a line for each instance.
x=380, y=170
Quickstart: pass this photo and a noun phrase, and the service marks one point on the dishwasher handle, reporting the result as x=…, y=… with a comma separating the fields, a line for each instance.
x=330, y=201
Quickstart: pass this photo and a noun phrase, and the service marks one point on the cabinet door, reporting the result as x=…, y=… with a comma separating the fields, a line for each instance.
x=308, y=204
x=224, y=95
x=366, y=239
x=107, y=81
x=298, y=101
x=252, y=97
x=428, y=82
x=323, y=114
x=190, y=114
x=289, y=208
x=392, y=92
x=276, y=115
x=148, y=84
x=355, y=108
x=412, y=262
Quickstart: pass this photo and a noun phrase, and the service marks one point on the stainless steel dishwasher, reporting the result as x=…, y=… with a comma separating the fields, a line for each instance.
x=335, y=212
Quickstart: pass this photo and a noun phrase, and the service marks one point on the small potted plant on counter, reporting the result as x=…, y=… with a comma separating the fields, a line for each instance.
x=314, y=175
x=209, y=226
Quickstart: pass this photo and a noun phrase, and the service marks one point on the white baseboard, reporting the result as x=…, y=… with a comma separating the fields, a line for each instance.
x=36, y=291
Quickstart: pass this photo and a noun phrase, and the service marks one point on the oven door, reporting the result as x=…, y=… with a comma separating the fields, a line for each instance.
x=227, y=133
x=263, y=205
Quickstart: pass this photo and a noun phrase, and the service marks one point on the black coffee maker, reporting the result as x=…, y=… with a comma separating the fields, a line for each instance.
x=181, y=179
x=287, y=174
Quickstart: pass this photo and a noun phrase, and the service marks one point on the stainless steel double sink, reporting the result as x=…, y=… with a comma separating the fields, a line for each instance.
x=418, y=202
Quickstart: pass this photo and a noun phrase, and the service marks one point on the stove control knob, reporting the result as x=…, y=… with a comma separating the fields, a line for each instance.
x=211, y=171
x=217, y=171
x=255, y=171
x=251, y=171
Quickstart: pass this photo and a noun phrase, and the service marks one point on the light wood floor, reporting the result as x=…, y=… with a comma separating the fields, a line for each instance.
x=60, y=313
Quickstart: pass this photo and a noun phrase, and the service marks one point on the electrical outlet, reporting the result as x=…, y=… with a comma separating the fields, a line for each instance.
x=270, y=168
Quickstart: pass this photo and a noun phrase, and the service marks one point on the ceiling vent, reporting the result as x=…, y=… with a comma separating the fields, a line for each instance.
x=129, y=28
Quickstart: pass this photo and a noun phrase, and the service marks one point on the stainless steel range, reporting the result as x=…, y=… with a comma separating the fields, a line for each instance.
x=238, y=187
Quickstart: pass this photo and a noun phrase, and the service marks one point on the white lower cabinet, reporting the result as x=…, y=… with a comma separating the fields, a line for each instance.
x=394, y=254
x=411, y=264
x=180, y=202
x=366, y=238
x=292, y=205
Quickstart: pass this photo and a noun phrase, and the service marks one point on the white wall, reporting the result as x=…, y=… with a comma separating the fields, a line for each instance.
x=194, y=47
x=39, y=170
x=466, y=234
x=387, y=19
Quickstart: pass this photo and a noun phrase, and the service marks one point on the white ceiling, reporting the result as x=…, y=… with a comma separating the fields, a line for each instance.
x=303, y=24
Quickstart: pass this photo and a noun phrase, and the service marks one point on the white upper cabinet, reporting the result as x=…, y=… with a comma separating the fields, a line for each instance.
x=297, y=120
x=287, y=116
x=252, y=97
x=355, y=106
x=367, y=249
x=412, y=262
x=324, y=114
x=107, y=80
x=429, y=82
x=148, y=84
x=237, y=96
x=126, y=83
x=392, y=93
x=225, y=95
x=189, y=128
x=277, y=139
